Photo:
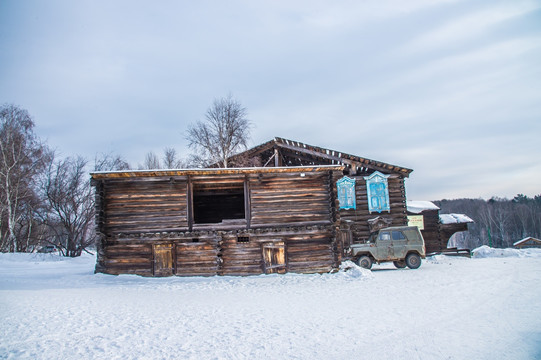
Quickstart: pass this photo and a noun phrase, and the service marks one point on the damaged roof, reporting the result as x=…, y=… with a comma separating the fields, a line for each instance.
x=320, y=155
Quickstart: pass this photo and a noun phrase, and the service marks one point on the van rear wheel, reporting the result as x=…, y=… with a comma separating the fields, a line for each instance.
x=413, y=261
x=365, y=262
x=400, y=264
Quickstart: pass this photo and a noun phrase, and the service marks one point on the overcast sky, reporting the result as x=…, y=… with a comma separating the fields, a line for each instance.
x=450, y=89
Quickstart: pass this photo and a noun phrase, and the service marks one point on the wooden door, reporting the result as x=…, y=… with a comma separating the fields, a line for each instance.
x=274, y=257
x=345, y=240
x=163, y=260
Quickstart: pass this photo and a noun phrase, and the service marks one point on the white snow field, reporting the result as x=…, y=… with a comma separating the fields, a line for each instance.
x=487, y=307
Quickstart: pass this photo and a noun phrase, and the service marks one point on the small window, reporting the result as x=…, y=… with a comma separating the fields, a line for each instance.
x=397, y=235
x=243, y=239
x=386, y=236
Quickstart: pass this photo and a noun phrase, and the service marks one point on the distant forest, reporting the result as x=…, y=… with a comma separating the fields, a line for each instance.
x=499, y=222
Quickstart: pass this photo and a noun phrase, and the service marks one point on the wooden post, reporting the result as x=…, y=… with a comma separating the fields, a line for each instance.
x=189, y=199
x=247, y=202
x=277, y=158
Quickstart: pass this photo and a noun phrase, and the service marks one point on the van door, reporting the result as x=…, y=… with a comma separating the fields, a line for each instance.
x=399, y=244
x=385, y=246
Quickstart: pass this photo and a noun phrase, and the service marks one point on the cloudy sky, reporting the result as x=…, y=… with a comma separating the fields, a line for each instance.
x=450, y=88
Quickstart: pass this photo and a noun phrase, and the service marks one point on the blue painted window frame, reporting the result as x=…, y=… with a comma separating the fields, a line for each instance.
x=377, y=189
x=346, y=193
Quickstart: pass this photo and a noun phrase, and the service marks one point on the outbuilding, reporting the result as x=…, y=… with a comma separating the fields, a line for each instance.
x=529, y=242
x=436, y=228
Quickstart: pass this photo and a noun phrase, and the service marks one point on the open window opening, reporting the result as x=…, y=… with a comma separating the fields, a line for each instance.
x=216, y=202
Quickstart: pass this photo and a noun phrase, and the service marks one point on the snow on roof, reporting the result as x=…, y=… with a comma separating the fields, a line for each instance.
x=529, y=238
x=418, y=207
x=207, y=171
x=455, y=219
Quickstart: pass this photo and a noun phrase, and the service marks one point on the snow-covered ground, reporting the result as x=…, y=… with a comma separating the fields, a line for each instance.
x=487, y=307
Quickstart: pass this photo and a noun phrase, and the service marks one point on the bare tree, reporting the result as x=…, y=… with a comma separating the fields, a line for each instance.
x=22, y=158
x=171, y=160
x=224, y=132
x=110, y=162
x=71, y=202
x=151, y=162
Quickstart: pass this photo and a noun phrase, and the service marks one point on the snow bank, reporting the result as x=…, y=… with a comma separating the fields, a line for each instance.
x=488, y=252
x=351, y=270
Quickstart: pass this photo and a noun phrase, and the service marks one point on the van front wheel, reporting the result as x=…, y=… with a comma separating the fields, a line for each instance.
x=364, y=262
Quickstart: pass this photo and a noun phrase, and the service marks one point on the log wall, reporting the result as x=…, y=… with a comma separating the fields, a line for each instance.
x=431, y=231
x=290, y=198
x=307, y=250
x=146, y=225
x=358, y=218
x=144, y=206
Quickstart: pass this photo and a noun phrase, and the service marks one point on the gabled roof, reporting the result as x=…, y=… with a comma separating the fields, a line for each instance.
x=530, y=240
x=314, y=155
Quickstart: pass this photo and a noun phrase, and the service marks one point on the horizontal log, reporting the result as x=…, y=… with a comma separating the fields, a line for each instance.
x=132, y=260
x=242, y=262
x=197, y=264
x=134, y=271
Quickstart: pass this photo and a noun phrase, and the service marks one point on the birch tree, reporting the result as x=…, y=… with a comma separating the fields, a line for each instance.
x=22, y=158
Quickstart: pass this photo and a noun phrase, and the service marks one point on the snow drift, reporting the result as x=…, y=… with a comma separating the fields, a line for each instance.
x=486, y=307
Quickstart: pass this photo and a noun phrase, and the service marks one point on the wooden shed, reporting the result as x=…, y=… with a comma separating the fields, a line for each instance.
x=217, y=221
x=436, y=228
x=529, y=242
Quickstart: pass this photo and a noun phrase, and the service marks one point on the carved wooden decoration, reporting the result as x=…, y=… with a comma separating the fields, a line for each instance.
x=346, y=193
x=378, y=192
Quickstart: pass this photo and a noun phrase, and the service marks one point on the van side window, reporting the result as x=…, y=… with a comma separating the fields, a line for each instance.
x=397, y=235
x=385, y=236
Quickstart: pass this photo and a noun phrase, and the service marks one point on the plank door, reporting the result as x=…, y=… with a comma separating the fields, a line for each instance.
x=274, y=257
x=163, y=259
x=345, y=237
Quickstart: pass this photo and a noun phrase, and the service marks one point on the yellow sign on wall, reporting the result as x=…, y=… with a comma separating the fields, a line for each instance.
x=416, y=220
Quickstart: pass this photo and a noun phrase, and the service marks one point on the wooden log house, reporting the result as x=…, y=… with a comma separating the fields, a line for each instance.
x=279, y=210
